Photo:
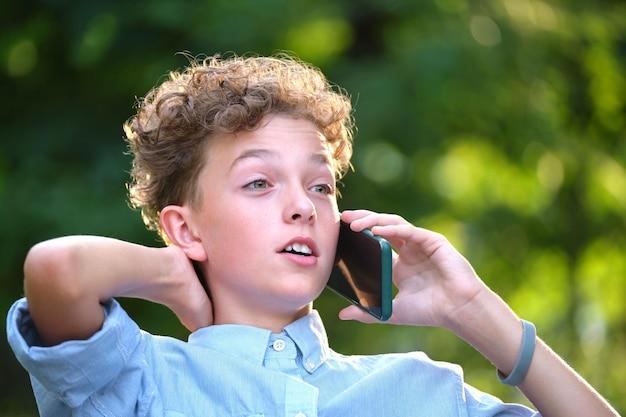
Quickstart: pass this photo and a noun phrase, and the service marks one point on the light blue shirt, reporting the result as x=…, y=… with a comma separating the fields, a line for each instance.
x=233, y=370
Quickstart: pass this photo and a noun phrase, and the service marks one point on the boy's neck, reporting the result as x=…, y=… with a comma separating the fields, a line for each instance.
x=263, y=320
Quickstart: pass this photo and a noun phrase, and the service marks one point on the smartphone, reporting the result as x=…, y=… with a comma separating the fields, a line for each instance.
x=362, y=273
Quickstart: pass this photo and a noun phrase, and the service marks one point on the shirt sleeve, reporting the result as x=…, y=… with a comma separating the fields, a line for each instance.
x=73, y=371
x=482, y=404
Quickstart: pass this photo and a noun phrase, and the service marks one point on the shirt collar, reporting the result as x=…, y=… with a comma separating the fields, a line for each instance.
x=250, y=343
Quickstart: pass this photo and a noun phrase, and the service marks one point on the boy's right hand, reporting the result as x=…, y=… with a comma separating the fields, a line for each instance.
x=67, y=279
x=179, y=289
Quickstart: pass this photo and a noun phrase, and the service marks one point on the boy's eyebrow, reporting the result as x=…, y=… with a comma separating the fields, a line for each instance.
x=321, y=158
x=254, y=153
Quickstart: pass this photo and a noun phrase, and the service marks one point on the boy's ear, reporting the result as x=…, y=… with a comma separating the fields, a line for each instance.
x=176, y=222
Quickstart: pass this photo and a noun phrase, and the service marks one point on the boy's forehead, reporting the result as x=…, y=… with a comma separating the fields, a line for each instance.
x=271, y=140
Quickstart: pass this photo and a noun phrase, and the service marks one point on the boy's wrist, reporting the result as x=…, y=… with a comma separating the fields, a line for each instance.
x=155, y=273
x=492, y=328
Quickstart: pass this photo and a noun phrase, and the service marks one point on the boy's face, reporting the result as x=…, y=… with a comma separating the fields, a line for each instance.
x=268, y=220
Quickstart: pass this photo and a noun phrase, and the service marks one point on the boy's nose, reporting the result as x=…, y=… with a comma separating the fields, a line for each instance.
x=300, y=207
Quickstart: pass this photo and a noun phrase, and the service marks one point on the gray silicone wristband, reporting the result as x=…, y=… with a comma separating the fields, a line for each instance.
x=525, y=356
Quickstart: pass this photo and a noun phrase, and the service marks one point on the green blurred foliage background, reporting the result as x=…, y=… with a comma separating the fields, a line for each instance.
x=500, y=123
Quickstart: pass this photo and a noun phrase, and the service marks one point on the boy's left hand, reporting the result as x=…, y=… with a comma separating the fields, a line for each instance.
x=437, y=285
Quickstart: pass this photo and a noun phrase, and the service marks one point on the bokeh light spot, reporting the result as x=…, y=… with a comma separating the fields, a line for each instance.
x=22, y=58
x=383, y=163
x=485, y=31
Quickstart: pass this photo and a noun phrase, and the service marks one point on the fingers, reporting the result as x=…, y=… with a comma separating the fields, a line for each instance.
x=396, y=230
x=350, y=216
x=365, y=219
x=200, y=312
x=191, y=304
x=188, y=296
x=354, y=313
x=197, y=317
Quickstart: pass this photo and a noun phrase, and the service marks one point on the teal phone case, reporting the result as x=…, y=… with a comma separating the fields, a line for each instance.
x=355, y=276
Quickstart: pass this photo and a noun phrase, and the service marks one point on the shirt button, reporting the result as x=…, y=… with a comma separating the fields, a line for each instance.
x=279, y=345
x=300, y=415
x=309, y=365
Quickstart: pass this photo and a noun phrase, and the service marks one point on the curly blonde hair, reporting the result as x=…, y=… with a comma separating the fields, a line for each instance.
x=216, y=96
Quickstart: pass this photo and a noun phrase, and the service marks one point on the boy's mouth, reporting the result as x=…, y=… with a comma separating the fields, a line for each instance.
x=298, y=249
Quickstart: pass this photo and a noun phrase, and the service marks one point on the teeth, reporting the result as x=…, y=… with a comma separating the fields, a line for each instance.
x=299, y=248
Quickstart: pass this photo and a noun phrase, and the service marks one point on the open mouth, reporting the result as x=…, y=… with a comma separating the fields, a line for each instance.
x=298, y=249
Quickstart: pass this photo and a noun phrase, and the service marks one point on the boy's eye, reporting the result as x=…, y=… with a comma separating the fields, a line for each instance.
x=257, y=184
x=323, y=188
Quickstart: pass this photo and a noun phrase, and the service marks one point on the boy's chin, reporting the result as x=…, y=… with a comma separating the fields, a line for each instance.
x=302, y=297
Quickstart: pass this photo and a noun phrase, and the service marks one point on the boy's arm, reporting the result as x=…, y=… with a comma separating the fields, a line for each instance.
x=438, y=287
x=550, y=384
x=66, y=280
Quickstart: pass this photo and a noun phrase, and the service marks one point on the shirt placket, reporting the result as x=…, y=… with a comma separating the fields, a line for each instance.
x=300, y=398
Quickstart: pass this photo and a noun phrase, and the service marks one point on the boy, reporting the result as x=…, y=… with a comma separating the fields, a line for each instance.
x=235, y=165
